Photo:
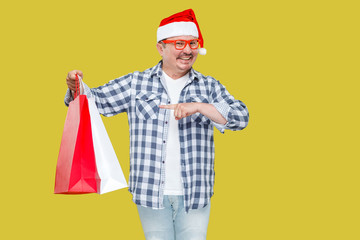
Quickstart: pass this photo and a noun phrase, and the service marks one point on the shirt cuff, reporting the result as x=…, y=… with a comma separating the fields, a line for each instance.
x=68, y=97
x=223, y=109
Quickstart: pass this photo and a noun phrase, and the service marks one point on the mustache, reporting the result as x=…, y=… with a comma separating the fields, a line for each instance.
x=185, y=55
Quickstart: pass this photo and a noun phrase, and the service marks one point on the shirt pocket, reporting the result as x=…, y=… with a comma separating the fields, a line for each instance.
x=147, y=105
x=198, y=117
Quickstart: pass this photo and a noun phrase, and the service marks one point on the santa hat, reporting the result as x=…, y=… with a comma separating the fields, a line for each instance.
x=182, y=23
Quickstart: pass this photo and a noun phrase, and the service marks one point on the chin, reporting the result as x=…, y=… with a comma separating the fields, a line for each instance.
x=185, y=66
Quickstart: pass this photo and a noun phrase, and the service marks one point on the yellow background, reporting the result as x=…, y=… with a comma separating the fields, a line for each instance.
x=293, y=173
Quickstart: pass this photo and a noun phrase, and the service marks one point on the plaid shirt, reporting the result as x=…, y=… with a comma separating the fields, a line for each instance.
x=139, y=94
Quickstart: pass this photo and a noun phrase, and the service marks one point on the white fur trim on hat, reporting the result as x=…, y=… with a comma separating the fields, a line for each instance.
x=175, y=29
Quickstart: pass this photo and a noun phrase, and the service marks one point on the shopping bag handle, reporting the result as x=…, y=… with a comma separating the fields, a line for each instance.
x=77, y=85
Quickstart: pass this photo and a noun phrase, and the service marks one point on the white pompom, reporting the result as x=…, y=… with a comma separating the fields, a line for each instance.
x=202, y=51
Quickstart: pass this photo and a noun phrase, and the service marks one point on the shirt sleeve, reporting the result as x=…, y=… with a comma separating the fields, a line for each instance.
x=111, y=98
x=223, y=109
x=234, y=111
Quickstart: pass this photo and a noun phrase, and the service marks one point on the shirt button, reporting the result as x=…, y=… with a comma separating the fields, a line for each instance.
x=164, y=141
x=169, y=102
x=166, y=122
x=163, y=161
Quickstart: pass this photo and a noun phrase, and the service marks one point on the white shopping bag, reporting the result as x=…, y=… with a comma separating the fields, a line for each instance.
x=108, y=167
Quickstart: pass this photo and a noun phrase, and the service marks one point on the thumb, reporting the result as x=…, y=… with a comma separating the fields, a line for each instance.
x=79, y=73
x=73, y=73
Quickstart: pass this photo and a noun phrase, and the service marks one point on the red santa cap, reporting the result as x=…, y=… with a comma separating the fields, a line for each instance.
x=182, y=23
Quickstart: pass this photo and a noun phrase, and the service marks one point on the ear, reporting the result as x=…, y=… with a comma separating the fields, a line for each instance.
x=160, y=48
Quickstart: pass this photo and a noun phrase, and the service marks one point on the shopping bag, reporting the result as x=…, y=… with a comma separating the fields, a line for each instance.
x=76, y=170
x=108, y=167
x=87, y=161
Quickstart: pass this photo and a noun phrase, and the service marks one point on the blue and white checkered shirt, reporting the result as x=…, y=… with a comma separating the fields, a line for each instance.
x=139, y=94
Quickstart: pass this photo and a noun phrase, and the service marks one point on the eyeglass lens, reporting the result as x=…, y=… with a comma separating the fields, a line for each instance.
x=180, y=44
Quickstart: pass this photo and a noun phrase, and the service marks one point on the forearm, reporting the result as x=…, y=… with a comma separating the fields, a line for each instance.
x=211, y=112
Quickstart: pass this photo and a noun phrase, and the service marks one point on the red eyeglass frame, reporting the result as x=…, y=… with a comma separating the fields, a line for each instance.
x=187, y=42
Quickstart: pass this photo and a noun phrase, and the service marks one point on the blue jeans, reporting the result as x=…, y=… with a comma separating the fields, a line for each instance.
x=173, y=222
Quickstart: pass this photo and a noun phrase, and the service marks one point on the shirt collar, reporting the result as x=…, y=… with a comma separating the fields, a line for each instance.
x=156, y=70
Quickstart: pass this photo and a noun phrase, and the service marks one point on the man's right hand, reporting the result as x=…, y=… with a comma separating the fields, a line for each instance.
x=71, y=79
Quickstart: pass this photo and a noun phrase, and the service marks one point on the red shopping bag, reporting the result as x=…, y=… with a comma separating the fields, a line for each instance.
x=76, y=171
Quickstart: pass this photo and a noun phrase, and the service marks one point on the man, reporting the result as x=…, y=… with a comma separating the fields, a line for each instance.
x=171, y=110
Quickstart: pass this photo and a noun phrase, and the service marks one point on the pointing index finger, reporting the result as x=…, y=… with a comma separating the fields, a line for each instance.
x=170, y=106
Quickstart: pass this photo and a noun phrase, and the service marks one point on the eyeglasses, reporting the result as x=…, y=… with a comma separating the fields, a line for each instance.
x=181, y=44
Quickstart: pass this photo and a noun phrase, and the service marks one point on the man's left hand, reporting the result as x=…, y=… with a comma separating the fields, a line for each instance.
x=182, y=110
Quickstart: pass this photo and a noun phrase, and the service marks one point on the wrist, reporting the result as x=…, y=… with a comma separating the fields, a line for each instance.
x=200, y=107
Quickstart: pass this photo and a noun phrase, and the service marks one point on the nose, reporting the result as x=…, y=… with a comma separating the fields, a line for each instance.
x=187, y=48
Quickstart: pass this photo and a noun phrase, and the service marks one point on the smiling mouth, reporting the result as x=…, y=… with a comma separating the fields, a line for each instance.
x=185, y=57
